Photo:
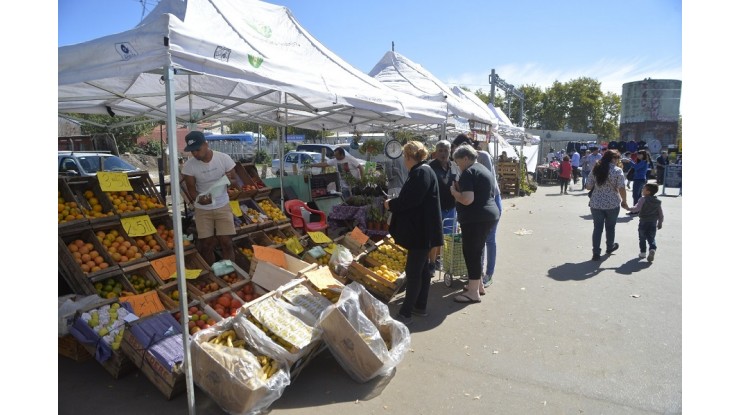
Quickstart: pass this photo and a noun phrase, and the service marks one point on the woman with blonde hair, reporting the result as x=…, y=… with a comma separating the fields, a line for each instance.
x=416, y=224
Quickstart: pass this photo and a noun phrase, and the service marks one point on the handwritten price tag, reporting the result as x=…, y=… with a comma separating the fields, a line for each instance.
x=165, y=267
x=190, y=274
x=271, y=255
x=138, y=225
x=114, y=181
x=144, y=304
x=319, y=237
x=358, y=236
x=235, y=209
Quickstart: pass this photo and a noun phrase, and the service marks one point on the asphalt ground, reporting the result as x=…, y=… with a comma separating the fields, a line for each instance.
x=557, y=333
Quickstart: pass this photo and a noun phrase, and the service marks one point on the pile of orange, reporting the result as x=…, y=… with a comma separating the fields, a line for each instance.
x=96, y=209
x=148, y=202
x=86, y=256
x=124, y=202
x=119, y=248
x=68, y=211
x=248, y=252
x=168, y=235
x=147, y=243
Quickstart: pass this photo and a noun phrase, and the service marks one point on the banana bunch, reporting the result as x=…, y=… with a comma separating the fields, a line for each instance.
x=228, y=338
x=329, y=294
x=277, y=339
x=269, y=367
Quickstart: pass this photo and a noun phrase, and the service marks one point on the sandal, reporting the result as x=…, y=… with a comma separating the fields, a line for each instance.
x=465, y=287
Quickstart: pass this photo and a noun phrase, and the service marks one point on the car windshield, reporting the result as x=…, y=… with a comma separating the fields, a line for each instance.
x=91, y=164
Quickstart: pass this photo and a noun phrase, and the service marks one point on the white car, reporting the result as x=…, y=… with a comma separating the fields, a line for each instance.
x=297, y=159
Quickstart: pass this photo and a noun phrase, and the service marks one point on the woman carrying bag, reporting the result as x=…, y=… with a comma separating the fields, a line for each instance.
x=416, y=224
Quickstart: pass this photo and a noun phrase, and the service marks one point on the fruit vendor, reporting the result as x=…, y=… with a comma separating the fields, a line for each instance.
x=204, y=174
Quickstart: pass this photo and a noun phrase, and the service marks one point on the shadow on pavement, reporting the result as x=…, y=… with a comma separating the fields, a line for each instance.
x=621, y=219
x=575, y=272
x=632, y=266
x=329, y=384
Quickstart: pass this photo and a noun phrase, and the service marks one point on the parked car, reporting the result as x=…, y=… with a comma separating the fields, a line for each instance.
x=297, y=159
x=316, y=148
x=77, y=163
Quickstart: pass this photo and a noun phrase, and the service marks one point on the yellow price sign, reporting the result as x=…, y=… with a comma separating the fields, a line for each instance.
x=190, y=274
x=111, y=181
x=319, y=237
x=294, y=245
x=138, y=225
x=329, y=249
x=235, y=209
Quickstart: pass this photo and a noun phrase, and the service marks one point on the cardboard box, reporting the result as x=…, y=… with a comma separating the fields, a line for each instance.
x=270, y=276
x=348, y=347
x=229, y=377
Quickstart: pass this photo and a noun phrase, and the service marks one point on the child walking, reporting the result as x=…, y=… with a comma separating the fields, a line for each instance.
x=651, y=219
x=565, y=172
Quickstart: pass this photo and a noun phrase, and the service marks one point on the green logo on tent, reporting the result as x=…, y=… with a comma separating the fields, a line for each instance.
x=264, y=30
x=255, y=61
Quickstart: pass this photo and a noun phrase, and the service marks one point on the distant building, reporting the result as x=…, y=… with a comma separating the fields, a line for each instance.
x=650, y=110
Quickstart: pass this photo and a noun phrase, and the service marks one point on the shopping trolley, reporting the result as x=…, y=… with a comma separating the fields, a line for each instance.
x=453, y=262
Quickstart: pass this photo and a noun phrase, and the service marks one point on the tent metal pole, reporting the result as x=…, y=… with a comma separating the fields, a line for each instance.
x=281, y=150
x=177, y=227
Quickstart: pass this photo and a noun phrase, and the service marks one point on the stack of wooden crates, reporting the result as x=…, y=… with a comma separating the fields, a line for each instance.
x=508, y=177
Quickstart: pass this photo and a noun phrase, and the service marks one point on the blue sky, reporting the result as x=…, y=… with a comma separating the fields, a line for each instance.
x=526, y=42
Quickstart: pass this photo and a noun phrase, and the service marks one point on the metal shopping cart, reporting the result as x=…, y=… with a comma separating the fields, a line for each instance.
x=453, y=262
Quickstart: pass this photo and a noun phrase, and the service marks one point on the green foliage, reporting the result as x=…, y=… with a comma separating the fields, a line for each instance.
x=150, y=148
x=261, y=157
x=126, y=135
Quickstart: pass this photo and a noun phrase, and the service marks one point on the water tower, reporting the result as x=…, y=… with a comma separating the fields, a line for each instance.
x=650, y=110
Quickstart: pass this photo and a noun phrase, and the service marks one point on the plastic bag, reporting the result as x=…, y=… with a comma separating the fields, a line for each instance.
x=70, y=304
x=230, y=376
x=340, y=259
x=387, y=339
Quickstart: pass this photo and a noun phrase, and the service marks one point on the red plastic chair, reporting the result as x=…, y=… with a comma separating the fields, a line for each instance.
x=293, y=209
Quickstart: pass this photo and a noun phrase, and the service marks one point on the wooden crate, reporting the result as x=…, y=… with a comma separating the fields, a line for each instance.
x=378, y=286
x=194, y=285
x=248, y=188
x=65, y=196
x=264, y=201
x=71, y=348
x=145, y=271
x=241, y=275
x=102, y=230
x=116, y=278
x=170, y=382
x=251, y=170
x=254, y=217
x=67, y=257
x=84, y=190
x=508, y=177
x=241, y=243
x=118, y=364
x=158, y=250
x=166, y=232
x=164, y=292
x=143, y=185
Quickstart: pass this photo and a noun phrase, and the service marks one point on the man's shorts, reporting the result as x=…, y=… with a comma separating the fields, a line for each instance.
x=214, y=222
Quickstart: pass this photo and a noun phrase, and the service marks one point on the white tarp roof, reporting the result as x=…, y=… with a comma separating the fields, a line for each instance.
x=402, y=74
x=473, y=100
x=232, y=59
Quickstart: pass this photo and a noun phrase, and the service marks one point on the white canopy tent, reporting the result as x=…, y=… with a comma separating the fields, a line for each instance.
x=228, y=60
x=403, y=75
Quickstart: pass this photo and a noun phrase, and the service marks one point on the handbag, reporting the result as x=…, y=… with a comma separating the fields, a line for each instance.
x=631, y=174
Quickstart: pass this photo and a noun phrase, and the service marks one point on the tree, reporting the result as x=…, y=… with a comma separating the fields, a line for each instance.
x=125, y=135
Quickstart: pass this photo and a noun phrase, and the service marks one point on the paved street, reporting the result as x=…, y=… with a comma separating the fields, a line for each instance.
x=557, y=333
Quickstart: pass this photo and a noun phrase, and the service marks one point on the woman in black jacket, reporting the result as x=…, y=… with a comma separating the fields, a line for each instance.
x=416, y=224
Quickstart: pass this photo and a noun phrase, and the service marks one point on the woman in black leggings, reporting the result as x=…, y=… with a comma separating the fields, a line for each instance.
x=476, y=213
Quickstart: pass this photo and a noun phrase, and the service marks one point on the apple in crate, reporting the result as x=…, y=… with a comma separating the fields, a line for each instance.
x=225, y=305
